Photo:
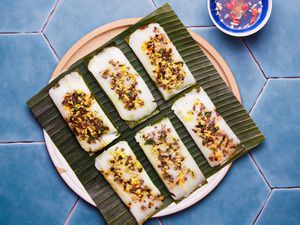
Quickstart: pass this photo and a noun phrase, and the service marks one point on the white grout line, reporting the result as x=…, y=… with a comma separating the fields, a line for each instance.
x=49, y=16
x=160, y=221
x=263, y=207
x=154, y=3
x=254, y=58
x=21, y=142
x=258, y=96
x=71, y=212
x=284, y=78
x=287, y=188
x=260, y=171
x=19, y=33
x=51, y=47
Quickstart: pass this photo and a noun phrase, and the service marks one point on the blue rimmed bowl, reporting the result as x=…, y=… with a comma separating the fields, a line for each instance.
x=265, y=15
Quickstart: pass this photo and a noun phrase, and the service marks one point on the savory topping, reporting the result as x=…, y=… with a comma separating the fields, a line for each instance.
x=126, y=171
x=85, y=117
x=165, y=147
x=124, y=83
x=170, y=158
x=86, y=124
x=168, y=72
x=57, y=85
x=161, y=60
x=206, y=127
x=128, y=178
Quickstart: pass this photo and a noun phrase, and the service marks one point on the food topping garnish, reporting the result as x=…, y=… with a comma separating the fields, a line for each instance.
x=124, y=83
x=126, y=171
x=166, y=148
x=169, y=74
x=86, y=124
x=220, y=144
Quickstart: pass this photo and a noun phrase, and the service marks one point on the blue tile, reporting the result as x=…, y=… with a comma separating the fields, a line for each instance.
x=74, y=18
x=31, y=191
x=276, y=47
x=283, y=207
x=277, y=115
x=86, y=214
x=24, y=16
x=236, y=200
x=246, y=72
x=152, y=222
x=191, y=13
x=26, y=65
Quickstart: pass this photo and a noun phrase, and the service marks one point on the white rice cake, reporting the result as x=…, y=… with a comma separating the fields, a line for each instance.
x=161, y=59
x=123, y=85
x=209, y=130
x=75, y=102
x=130, y=181
x=170, y=158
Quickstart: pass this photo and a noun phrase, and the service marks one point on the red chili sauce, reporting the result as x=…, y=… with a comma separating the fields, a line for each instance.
x=239, y=14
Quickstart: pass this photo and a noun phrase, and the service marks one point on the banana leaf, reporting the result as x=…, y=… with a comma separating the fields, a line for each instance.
x=107, y=201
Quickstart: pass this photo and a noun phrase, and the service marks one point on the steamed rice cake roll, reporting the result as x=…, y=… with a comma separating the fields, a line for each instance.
x=214, y=137
x=170, y=158
x=123, y=85
x=161, y=59
x=83, y=114
x=130, y=181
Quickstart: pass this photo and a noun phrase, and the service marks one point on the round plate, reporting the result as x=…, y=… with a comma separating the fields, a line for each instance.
x=89, y=43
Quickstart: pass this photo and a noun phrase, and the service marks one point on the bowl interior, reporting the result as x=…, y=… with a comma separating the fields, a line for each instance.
x=216, y=19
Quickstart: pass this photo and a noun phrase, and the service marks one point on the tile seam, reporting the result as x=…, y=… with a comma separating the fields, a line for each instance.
x=262, y=208
x=19, y=32
x=258, y=96
x=51, y=47
x=284, y=78
x=160, y=221
x=260, y=171
x=71, y=212
x=286, y=188
x=21, y=142
x=254, y=58
x=154, y=3
x=50, y=15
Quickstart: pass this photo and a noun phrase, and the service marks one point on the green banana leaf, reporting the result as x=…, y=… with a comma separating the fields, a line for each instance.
x=107, y=201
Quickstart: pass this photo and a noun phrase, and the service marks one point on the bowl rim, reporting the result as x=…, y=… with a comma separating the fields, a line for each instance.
x=246, y=33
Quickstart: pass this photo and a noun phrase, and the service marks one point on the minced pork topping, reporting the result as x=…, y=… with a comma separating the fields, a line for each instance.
x=124, y=83
x=166, y=149
x=169, y=74
x=126, y=172
x=86, y=124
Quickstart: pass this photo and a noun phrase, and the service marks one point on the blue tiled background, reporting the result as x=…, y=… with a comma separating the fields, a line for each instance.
x=261, y=188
